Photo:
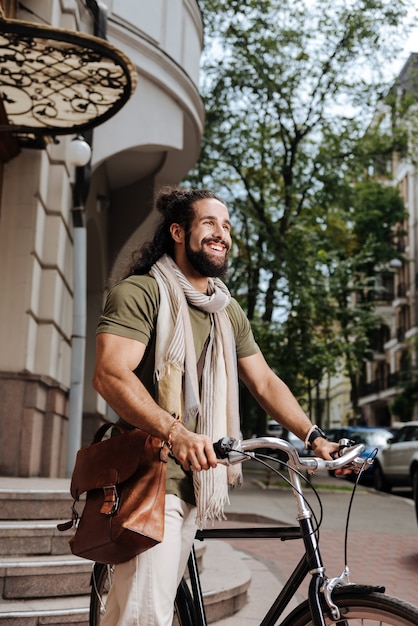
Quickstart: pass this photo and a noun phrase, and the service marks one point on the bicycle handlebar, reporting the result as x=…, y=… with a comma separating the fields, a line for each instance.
x=229, y=451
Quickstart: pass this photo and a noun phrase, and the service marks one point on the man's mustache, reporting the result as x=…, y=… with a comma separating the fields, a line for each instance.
x=214, y=240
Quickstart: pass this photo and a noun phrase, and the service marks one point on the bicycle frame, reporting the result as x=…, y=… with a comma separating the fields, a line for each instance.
x=350, y=604
x=311, y=562
x=293, y=583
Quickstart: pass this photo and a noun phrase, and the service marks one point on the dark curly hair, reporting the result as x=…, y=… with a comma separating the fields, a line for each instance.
x=176, y=207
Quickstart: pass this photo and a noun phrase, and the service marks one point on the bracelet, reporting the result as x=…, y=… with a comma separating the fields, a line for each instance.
x=168, y=442
x=308, y=434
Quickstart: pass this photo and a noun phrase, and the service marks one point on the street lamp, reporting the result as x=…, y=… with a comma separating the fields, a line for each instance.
x=78, y=152
x=395, y=263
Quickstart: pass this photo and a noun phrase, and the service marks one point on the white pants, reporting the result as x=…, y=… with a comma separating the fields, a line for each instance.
x=144, y=588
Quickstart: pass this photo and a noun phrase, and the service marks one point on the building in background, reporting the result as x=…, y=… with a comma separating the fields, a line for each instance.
x=153, y=140
x=394, y=361
x=387, y=384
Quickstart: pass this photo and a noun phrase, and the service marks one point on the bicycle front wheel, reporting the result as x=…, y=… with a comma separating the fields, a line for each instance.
x=101, y=580
x=359, y=607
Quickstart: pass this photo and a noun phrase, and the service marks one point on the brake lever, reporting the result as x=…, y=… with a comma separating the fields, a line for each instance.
x=224, y=446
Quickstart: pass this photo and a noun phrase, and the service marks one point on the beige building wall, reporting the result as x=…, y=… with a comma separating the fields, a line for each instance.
x=153, y=140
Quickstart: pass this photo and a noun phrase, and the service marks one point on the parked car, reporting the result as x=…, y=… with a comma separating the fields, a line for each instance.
x=397, y=464
x=373, y=437
x=275, y=430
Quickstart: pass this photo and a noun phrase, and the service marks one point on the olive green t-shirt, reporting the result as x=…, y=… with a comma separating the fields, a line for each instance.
x=131, y=311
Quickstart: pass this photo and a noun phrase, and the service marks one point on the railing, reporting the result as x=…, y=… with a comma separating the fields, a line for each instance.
x=401, y=290
x=379, y=384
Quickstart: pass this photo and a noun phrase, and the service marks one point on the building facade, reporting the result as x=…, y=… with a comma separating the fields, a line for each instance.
x=383, y=379
x=152, y=141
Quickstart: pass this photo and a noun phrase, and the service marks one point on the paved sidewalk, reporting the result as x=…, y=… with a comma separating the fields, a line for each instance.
x=382, y=540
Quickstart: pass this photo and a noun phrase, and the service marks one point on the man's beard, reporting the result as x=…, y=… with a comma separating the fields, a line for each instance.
x=204, y=264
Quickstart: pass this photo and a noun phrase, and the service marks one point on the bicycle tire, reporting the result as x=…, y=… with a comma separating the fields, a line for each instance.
x=100, y=584
x=184, y=611
x=359, y=606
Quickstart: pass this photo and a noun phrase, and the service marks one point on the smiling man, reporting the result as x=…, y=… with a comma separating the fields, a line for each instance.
x=171, y=344
x=212, y=240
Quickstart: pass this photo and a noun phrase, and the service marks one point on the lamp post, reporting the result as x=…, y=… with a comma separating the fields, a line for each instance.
x=78, y=155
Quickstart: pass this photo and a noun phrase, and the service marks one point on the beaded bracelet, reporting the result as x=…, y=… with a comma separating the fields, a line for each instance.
x=168, y=441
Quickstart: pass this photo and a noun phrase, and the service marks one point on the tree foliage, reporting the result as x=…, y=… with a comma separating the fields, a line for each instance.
x=290, y=88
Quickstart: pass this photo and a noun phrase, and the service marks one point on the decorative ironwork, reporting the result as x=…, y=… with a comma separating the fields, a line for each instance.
x=57, y=82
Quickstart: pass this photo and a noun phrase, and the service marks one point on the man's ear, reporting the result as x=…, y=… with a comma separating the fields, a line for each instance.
x=177, y=233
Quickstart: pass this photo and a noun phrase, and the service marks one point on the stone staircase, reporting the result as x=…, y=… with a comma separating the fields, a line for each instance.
x=42, y=583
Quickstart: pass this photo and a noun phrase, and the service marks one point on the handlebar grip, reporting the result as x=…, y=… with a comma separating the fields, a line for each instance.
x=224, y=446
x=343, y=445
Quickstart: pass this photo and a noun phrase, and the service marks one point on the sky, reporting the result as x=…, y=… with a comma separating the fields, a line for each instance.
x=411, y=45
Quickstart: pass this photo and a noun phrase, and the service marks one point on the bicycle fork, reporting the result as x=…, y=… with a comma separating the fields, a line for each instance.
x=199, y=617
x=315, y=568
x=313, y=556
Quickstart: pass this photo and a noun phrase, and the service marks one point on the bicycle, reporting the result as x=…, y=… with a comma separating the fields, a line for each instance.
x=331, y=601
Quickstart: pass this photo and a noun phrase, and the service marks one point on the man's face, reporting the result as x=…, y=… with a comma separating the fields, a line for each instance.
x=209, y=240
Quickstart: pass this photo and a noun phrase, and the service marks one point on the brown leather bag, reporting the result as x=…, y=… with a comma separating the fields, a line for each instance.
x=124, y=478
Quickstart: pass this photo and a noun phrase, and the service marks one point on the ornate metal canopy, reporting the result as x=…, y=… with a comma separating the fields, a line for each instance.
x=57, y=82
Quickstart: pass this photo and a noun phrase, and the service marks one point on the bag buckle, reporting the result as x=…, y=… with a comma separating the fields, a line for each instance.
x=111, y=500
x=73, y=522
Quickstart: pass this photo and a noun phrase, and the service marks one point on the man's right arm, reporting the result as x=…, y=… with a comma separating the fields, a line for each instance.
x=116, y=360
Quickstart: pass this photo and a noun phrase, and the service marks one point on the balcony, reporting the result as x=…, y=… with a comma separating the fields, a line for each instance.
x=401, y=296
x=379, y=384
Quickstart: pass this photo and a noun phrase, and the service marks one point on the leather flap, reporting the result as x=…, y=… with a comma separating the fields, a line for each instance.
x=112, y=461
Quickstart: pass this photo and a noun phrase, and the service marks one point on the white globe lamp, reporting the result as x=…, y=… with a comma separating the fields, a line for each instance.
x=78, y=152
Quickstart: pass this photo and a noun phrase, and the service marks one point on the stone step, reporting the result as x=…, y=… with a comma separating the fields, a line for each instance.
x=32, y=537
x=225, y=581
x=35, y=504
x=51, y=612
x=42, y=583
x=44, y=577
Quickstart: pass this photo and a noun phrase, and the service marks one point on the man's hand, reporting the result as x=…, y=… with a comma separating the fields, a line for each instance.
x=324, y=449
x=192, y=451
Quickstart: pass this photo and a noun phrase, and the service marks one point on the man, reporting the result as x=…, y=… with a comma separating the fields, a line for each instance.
x=171, y=344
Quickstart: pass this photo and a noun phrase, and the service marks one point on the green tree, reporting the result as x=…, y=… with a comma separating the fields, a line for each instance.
x=289, y=89
x=365, y=243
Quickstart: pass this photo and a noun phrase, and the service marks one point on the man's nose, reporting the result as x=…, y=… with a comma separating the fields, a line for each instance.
x=218, y=231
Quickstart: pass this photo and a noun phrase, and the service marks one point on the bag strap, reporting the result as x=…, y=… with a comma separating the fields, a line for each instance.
x=100, y=432
x=201, y=360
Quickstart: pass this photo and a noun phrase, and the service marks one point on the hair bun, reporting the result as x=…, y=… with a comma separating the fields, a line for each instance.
x=168, y=197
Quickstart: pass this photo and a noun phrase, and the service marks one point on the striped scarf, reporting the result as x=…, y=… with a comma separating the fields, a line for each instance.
x=216, y=410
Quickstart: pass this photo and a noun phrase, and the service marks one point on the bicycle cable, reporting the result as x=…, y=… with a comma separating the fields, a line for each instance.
x=259, y=458
x=371, y=456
